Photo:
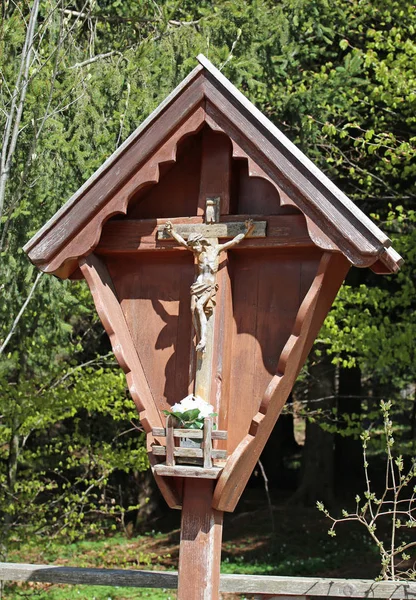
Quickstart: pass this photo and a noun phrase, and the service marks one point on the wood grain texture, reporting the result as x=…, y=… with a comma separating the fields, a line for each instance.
x=204, y=453
x=112, y=318
x=77, y=232
x=346, y=226
x=215, y=170
x=216, y=230
x=190, y=433
x=221, y=360
x=275, y=199
x=317, y=587
x=186, y=471
x=331, y=216
x=390, y=262
x=215, y=181
x=267, y=292
x=188, y=453
x=256, y=584
x=128, y=236
x=324, y=197
x=169, y=451
x=200, y=545
x=209, y=453
x=153, y=289
x=176, y=193
x=331, y=273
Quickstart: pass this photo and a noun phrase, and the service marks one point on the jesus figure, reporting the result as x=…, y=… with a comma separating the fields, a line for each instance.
x=204, y=288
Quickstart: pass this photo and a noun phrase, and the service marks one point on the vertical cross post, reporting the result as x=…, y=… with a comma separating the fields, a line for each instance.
x=170, y=442
x=201, y=525
x=207, y=443
x=200, y=545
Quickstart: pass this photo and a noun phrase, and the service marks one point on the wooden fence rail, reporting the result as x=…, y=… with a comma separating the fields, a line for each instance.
x=260, y=585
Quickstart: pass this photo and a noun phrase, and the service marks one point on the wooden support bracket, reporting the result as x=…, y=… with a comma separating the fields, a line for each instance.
x=312, y=312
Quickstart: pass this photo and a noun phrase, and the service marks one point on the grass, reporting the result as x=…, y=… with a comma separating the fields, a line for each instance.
x=300, y=546
x=86, y=592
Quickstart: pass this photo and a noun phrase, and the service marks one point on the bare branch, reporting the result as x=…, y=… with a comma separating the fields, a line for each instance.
x=123, y=116
x=400, y=518
x=93, y=361
x=266, y=487
x=116, y=19
x=11, y=131
x=94, y=59
x=234, y=44
x=20, y=313
x=184, y=23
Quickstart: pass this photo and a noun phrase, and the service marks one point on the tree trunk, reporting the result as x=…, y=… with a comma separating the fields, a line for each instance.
x=348, y=450
x=149, y=498
x=281, y=444
x=317, y=471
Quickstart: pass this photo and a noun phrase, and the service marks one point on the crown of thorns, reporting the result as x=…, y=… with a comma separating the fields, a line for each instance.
x=195, y=238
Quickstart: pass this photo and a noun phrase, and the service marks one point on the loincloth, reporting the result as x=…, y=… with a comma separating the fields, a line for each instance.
x=199, y=289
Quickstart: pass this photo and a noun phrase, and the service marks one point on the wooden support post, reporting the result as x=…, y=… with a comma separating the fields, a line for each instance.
x=170, y=443
x=203, y=375
x=200, y=546
x=207, y=443
x=201, y=526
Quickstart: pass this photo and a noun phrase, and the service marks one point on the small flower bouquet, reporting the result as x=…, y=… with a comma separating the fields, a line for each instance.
x=189, y=433
x=191, y=412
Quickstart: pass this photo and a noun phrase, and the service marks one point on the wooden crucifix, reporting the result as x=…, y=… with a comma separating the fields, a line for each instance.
x=199, y=521
x=209, y=220
x=202, y=241
x=206, y=250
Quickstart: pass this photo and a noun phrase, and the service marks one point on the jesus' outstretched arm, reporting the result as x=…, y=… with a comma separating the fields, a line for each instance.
x=169, y=229
x=249, y=228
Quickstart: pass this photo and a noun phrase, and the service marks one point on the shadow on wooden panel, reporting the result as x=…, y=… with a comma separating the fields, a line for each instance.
x=154, y=294
x=176, y=194
x=267, y=290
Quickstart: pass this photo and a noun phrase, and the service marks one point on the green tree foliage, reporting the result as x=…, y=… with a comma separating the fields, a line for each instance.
x=337, y=77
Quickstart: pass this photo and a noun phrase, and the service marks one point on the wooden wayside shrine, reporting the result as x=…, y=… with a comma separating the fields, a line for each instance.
x=213, y=249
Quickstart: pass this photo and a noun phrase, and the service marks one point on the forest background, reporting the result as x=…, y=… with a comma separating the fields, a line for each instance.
x=338, y=78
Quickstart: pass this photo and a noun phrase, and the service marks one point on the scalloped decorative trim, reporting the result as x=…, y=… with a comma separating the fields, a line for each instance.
x=85, y=241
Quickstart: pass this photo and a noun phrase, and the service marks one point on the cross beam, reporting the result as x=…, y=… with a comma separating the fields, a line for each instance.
x=288, y=231
x=215, y=230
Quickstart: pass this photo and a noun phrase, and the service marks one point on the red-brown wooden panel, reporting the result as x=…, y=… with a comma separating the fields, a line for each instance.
x=215, y=170
x=264, y=287
x=154, y=295
x=329, y=276
x=255, y=195
x=176, y=194
x=122, y=236
x=222, y=359
x=267, y=290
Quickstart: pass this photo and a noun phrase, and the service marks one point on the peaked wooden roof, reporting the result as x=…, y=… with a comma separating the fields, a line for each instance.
x=332, y=217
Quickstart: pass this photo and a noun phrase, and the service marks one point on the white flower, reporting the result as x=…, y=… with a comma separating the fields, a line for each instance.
x=205, y=409
x=192, y=402
x=188, y=403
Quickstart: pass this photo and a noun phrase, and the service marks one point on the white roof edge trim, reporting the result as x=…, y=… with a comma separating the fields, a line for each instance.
x=394, y=256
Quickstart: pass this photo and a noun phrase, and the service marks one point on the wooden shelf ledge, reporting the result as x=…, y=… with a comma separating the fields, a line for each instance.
x=188, y=452
x=187, y=471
